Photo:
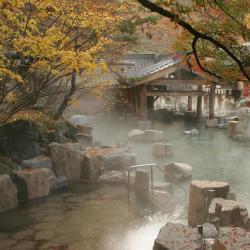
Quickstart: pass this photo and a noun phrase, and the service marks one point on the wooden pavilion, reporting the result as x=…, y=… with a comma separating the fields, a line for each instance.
x=147, y=76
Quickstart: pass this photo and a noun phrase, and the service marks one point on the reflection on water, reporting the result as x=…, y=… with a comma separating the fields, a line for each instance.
x=88, y=217
x=97, y=219
x=142, y=236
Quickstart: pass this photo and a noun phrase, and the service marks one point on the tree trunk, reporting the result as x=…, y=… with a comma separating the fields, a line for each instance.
x=67, y=97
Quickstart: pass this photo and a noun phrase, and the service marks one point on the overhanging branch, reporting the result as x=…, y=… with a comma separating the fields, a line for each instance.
x=199, y=35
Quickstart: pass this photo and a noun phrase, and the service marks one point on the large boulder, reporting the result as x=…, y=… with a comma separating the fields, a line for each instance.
x=228, y=213
x=66, y=160
x=178, y=170
x=232, y=238
x=41, y=161
x=81, y=120
x=201, y=194
x=175, y=236
x=96, y=161
x=8, y=193
x=20, y=140
x=84, y=130
x=37, y=181
x=119, y=162
x=136, y=135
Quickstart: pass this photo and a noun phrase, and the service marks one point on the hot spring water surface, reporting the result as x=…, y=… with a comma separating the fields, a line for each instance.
x=93, y=217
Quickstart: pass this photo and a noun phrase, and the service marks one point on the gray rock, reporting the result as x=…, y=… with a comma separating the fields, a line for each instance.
x=40, y=162
x=66, y=160
x=37, y=181
x=95, y=161
x=209, y=231
x=228, y=213
x=175, y=236
x=8, y=193
x=80, y=120
x=178, y=170
x=136, y=135
x=20, y=140
x=232, y=239
x=191, y=132
x=119, y=162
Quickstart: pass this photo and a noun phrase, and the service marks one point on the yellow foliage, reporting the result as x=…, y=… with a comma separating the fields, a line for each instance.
x=247, y=20
x=38, y=117
x=62, y=34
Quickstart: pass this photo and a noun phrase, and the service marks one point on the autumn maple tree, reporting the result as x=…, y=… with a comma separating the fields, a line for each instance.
x=51, y=43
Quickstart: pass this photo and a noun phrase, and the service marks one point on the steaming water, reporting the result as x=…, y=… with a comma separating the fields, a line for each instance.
x=97, y=217
x=212, y=154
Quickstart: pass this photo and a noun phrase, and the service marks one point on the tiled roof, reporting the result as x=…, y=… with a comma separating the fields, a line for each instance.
x=135, y=66
x=147, y=64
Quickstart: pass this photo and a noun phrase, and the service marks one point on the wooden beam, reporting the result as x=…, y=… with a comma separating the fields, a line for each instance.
x=175, y=81
x=185, y=93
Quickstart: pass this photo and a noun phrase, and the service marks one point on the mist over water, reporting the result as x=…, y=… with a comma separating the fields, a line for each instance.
x=96, y=217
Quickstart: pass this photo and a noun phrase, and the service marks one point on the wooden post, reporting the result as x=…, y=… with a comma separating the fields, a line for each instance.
x=212, y=101
x=199, y=101
x=190, y=104
x=143, y=103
